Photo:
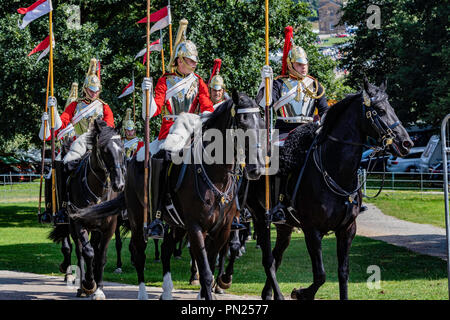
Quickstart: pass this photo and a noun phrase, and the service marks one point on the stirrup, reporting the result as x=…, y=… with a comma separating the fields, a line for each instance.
x=61, y=217
x=236, y=225
x=155, y=229
x=278, y=215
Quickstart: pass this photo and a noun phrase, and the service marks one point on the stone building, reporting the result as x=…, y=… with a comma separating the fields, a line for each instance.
x=329, y=16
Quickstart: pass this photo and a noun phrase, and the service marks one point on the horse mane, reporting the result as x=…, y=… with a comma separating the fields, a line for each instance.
x=298, y=142
x=212, y=117
x=335, y=111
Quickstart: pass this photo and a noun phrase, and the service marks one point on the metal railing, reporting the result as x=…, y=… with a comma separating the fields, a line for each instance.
x=446, y=149
x=402, y=181
x=19, y=187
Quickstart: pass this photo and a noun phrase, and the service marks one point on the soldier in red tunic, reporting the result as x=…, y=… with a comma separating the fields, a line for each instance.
x=75, y=120
x=181, y=91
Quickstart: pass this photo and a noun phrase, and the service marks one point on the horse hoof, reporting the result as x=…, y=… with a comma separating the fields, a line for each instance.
x=194, y=282
x=218, y=290
x=62, y=269
x=81, y=294
x=118, y=270
x=98, y=295
x=142, y=295
x=224, y=285
x=301, y=294
x=69, y=279
x=87, y=290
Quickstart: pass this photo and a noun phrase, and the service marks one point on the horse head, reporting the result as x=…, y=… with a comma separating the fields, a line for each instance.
x=248, y=118
x=381, y=122
x=110, y=153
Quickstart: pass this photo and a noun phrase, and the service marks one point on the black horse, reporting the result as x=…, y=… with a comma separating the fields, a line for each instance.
x=204, y=200
x=328, y=197
x=98, y=177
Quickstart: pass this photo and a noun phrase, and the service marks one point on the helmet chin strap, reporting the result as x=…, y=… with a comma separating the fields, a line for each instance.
x=300, y=77
x=87, y=96
x=189, y=68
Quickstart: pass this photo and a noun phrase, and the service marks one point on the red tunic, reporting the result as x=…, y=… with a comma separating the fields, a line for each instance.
x=68, y=114
x=201, y=99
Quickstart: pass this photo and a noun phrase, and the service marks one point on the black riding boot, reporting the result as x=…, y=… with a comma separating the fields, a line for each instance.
x=278, y=213
x=237, y=225
x=159, y=167
x=46, y=216
x=61, y=216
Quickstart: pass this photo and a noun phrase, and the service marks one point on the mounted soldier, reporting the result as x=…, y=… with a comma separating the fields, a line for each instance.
x=297, y=98
x=181, y=91
x=76, y=120
x=130, y=140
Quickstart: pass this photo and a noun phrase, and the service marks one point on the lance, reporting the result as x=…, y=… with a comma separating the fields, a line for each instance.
x=147, y=126
x=162, y=51
x=170, y=34
x=52, y=118
x=43, y=142
x=134, y=99
x=266, y=113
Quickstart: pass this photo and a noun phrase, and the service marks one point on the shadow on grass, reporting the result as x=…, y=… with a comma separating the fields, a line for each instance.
x=19, y=215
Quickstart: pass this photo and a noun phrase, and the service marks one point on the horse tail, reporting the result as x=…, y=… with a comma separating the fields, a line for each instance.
x=59, y=233
x=102, y=210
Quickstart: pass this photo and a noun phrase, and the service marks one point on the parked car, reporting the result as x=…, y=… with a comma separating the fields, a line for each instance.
x=377, y=164
x=408, y=163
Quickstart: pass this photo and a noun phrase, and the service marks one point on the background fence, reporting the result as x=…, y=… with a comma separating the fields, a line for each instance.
x=20, y=187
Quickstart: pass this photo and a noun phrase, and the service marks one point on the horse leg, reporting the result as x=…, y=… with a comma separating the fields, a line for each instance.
x=268, y=260
x=66, y=250
x=222, y=254
x=167, y=248
x=79, y=254
x=225, y=279
x=344, y=240
x=100, y=261
x=177, y=252
x=88, y=284
x=194, y=280
x=157, y=254
x=284, y=233
x=137, y=249
x=198, y=249
x=118, y=249
x=313, y=240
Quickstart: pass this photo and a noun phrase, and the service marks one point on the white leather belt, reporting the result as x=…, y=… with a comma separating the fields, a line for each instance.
x=299, y=119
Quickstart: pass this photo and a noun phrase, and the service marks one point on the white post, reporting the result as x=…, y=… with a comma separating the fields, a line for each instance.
x=444, y=164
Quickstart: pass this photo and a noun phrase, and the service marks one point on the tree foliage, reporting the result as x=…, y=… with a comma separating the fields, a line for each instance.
x=232, y=30
x=410, y=50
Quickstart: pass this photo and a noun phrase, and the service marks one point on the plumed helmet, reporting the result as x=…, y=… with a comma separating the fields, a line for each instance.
x=128, y=124
x=217, y=83
x=73, y=96
x=297, y=54
x=187, y=49
x=183, y=48
x=92, y=80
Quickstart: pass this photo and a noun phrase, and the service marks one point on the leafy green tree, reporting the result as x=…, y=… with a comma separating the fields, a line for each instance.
x=410, y=50
x=232, y=30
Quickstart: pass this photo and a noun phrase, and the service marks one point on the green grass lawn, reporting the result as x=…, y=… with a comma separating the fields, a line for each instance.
x=404, y=275
x=412, y=206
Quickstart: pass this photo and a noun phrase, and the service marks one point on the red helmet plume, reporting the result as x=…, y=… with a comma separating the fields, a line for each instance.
x=288, y=34
x=216, y=68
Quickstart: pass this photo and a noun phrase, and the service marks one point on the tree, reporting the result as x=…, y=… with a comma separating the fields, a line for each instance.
x=410, y=50
x=232, y=30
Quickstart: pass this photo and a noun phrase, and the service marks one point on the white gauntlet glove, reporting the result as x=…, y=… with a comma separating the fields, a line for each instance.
x=147, y=84
x=52, y=103
x=47, y=127
x=266, y=72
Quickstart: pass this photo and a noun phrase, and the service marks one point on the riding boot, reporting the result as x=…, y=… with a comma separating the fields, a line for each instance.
x=46, y=216
x=237, y=225
x=159, y=169
x=278, y=213
x=61, y=216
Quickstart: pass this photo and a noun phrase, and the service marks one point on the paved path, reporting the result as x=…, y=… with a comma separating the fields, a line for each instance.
x=420, y=238
x=30, y=286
